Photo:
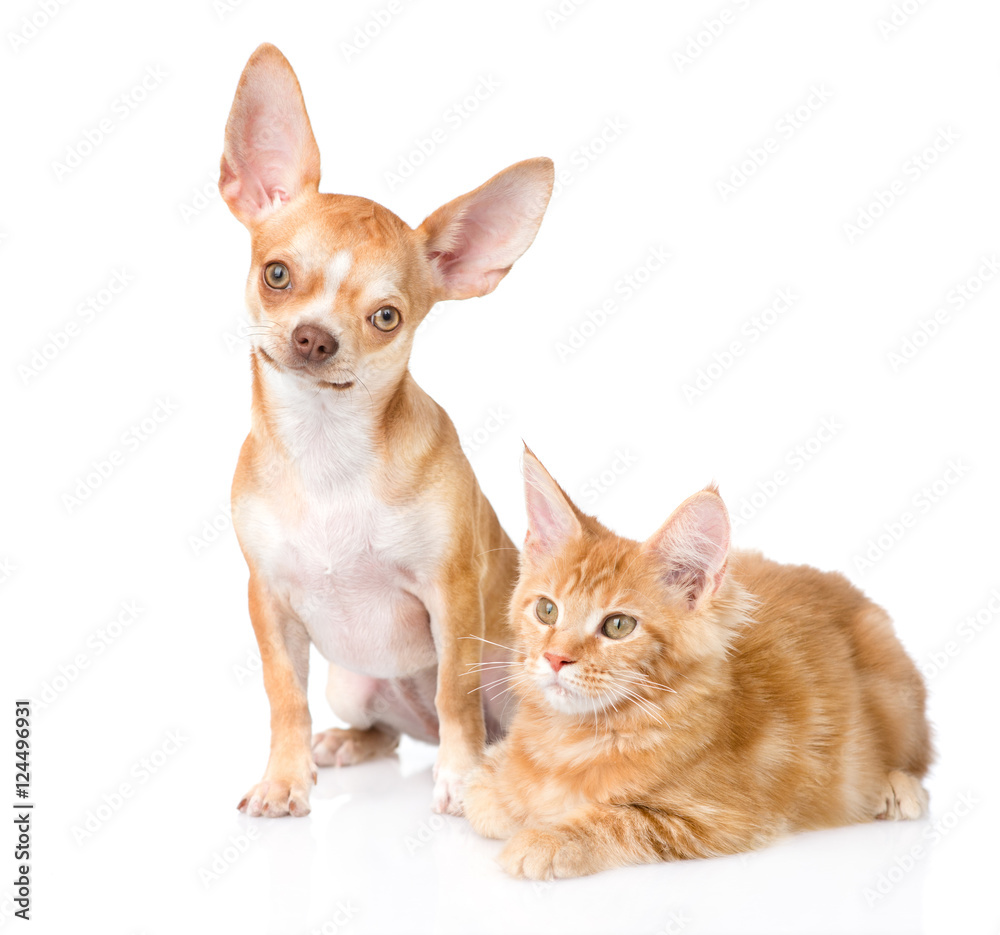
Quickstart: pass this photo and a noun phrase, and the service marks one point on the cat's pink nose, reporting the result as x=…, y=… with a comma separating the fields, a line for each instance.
x=557, y=662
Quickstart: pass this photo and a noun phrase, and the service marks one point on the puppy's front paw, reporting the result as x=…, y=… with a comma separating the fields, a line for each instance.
x=540, y=854
x=449, y=791
x=280, y=793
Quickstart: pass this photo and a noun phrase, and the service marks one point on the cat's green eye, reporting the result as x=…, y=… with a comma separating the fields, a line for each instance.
x=618, y=625
x=546, y=611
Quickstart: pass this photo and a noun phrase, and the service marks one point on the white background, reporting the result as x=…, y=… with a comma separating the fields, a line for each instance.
x=371, y=858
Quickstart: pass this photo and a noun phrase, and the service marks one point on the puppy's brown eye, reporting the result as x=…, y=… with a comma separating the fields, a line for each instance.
x=546, y=611
x=386, y=318
x=276, y=276
x=618, y=625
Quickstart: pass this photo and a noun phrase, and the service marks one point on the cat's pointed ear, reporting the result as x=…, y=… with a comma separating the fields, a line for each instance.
x=693, y=545
x=552, y=522
x=270, y=154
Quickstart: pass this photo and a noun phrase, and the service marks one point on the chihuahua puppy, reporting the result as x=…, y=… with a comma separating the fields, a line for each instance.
x=358, y=514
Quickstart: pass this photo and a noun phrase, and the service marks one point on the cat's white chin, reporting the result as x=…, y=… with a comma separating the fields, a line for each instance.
x=567, y=700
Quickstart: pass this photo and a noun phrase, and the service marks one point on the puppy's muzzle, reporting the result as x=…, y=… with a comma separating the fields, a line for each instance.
x=314, y=344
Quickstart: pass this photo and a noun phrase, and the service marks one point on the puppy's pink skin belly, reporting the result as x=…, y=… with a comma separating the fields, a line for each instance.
x=403, y=705
x=381, y=632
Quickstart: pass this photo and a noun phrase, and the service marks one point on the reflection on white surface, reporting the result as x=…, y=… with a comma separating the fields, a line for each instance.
x=373, y=858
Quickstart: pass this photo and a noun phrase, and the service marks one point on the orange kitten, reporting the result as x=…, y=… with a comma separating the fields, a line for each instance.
x=678, y=700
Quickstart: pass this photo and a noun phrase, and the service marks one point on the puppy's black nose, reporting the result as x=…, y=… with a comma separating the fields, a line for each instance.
x=313, y=343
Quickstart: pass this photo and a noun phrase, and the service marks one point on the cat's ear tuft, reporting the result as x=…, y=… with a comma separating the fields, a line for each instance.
x=552, y=522
x=693, y=545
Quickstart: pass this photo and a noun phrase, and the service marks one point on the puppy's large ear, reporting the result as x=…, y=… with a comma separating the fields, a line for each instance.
x=692, y=546
x=552, y=522
x=473, y=241
x=270, y=154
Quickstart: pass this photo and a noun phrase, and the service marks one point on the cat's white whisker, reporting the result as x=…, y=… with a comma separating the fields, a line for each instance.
x=504, y=549
x=642, y=680
x=506, y=678
x=503, y=710
x=593, y=702
x=513, y=686
x=643, y=704
x=481, y=639
x=477, y=667
x=604, y=708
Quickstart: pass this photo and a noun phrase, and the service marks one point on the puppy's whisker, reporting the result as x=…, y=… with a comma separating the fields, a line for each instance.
x=361, y=383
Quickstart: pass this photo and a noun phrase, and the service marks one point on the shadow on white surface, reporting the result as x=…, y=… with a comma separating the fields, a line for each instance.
x=373, y=858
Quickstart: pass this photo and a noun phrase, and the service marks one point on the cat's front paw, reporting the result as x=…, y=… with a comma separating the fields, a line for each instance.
x=546, y=854
x=482, y=806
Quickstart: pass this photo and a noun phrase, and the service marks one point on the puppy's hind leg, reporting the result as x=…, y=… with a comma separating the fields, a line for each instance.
x=348, y=747
x=353, y=699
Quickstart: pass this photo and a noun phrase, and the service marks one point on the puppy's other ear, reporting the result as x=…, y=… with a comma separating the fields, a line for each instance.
x=270, y=153
x=473, y=241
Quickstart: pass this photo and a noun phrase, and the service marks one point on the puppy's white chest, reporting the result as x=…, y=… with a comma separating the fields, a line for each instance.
x=345, y=563
x=348, y=569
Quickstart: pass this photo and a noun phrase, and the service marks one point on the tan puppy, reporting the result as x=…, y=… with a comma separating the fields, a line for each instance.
x=362, y=524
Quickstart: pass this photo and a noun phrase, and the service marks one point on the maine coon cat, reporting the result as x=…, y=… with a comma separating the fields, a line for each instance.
x=680, y=700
